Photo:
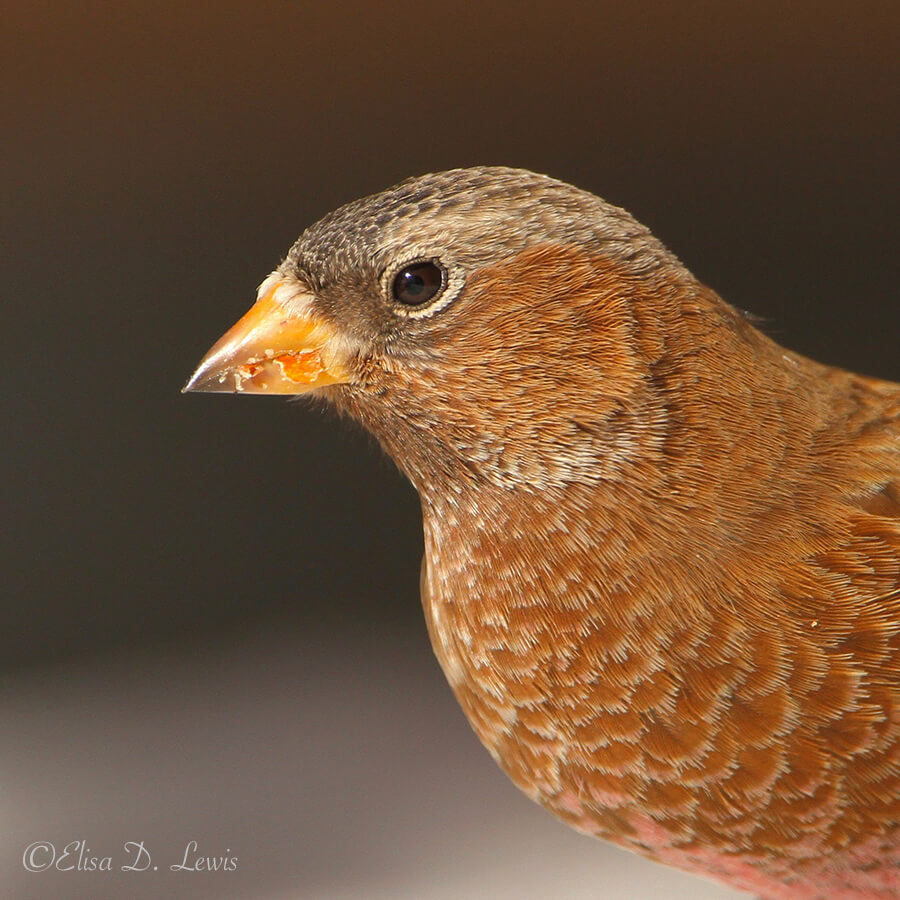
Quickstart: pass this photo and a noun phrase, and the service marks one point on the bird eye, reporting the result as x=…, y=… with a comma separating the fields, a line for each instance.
x=417, y=284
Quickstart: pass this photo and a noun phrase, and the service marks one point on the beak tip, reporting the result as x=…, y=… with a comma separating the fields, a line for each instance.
x=204, y=381
x=193, y=385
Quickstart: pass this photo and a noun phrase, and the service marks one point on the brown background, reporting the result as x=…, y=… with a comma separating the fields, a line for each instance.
x=156, y=161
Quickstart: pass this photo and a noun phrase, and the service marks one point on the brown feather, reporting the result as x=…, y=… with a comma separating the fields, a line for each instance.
x=662, y=553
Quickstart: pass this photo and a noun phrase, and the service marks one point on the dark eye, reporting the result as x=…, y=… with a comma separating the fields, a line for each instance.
x=417, y=284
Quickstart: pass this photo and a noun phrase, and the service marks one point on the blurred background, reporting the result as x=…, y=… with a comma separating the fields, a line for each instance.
x=181, y=660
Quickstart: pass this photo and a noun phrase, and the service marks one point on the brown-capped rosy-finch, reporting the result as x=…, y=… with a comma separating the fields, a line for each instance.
x=662, y=564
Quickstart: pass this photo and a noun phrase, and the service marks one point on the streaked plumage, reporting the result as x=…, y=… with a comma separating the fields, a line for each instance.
x=662, y=568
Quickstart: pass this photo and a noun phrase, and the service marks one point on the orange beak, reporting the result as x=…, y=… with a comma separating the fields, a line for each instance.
x=276, y=348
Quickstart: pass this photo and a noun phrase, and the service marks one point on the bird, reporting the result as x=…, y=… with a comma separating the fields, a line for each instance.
x=662, y=552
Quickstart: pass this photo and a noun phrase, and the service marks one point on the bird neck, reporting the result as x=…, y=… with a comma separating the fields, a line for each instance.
x=661, y=447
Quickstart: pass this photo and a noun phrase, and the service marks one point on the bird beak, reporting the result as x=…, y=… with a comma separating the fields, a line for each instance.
x=278, y=347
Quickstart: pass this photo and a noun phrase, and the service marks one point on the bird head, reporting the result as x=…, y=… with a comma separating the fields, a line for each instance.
x=487, y=323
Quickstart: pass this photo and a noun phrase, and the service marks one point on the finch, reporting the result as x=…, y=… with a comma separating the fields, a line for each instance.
x=662, y=553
